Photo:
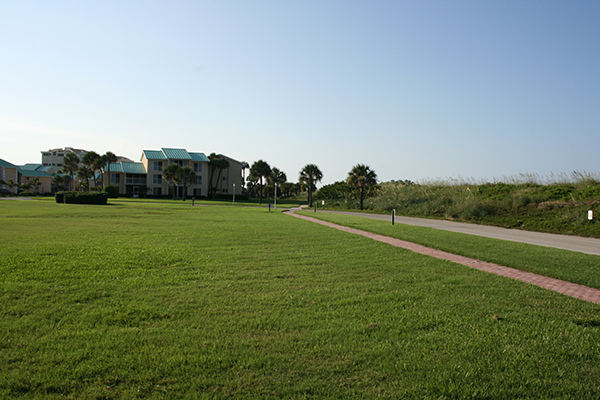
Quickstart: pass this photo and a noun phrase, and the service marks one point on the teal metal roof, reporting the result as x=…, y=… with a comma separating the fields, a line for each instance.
x=31, y=167
x=6, y=164
x=154, y=155
x=176, y=154
x=199, y=157
x=132, y=168
x=33, y=173
x=114, y=167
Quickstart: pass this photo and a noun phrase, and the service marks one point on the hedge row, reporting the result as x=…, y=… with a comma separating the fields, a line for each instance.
x=81, y=197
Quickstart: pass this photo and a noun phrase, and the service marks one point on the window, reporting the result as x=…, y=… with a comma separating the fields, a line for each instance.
x=198, y=192
x=197, y=167
x=157, y=179
x=115, y=178
x=198, y=179
x=135, y=179
x=157, y=165
x=225, y=179
x=157, y=191
x=181, y=163
x=225, y=190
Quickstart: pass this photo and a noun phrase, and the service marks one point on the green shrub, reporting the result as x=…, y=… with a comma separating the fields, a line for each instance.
x=27, y=194
x=587, y=193
x=81, y=197
x=111, y=191
x=559, y=192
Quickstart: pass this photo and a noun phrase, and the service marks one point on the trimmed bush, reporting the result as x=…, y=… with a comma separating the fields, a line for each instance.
x=111, y=191
x=81, y=198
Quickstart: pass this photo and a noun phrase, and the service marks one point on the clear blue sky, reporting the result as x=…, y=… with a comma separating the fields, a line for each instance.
x=415, y=89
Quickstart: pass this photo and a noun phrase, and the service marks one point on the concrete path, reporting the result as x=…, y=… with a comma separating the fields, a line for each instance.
x=565, y=242
x=570, y=289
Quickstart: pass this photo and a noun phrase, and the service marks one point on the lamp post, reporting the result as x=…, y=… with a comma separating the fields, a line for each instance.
x=275, y=195
x=234, y=193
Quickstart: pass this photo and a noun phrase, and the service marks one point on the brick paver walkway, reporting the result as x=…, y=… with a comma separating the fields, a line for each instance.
x=570, y=289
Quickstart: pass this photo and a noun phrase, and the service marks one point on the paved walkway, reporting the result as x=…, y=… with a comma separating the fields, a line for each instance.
x=570, y=289
x=565, y=242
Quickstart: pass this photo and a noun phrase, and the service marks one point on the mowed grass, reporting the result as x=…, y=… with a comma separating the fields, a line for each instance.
x=580, y=268
x=170, y=301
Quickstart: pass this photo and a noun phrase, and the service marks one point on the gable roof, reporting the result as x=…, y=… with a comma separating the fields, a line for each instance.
x=199, y=157
x=33, y=173
x=176, y=154
x=6, y=164
x=154, y=155
x=126, y=167
x=133, y=168
x=243, y=164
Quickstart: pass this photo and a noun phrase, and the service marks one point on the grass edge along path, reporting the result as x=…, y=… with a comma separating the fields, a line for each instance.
x=581, y=292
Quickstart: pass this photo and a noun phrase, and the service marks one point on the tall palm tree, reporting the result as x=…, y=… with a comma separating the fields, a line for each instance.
x=84, y=173
x=70, y=166
x=361, y=177
x=251, y=182
x=309, y=176
x=171, y=173
x=216, y=163
x=277, y=178
x=260, y=169
x=187, y=177
x=109, y=158
x=98, y=165
x=90, y=159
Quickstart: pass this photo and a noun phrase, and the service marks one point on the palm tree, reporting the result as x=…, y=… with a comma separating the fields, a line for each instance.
x=35, y=182
x=260, y=169
x=12, y=184
x=92, y=160
x=251, y=181
x=187, y=177
x=70, y=165
x=171, y=173
x=216, y=163
x=109, y=158
x=361, y=177
x=84, y=173
x=309, y=176
x=98, y=165
x=276, y=178
x=59, y=182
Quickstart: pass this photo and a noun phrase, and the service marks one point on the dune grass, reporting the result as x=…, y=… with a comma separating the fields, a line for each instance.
x=170, y=301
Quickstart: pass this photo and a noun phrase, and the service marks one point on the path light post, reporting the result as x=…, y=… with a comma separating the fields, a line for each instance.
x=234, y=193
x=275, y=195
x=393, y=215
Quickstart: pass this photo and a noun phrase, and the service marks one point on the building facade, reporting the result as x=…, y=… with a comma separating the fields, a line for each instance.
x=137, y=179
x=55, y=157
x=8, y=172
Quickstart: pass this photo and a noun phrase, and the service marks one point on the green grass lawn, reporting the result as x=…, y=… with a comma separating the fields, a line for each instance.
x=570, y=266
x=169, y=301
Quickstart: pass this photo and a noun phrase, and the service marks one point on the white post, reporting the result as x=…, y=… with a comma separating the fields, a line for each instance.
x=590, y=215
x=275, y=195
